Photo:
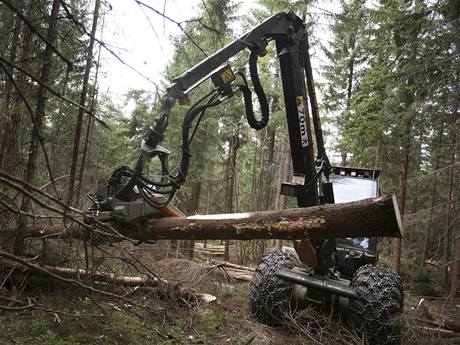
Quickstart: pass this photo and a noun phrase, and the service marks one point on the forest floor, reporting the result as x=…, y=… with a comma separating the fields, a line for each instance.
x=80, y=320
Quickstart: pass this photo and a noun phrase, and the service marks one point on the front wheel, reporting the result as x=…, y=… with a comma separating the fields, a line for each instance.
x=270, y=296
x=377, y=312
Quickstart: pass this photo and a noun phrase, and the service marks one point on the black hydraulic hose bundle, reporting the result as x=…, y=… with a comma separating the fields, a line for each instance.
x=247, y=95
x=175, y=180
x=186, y=125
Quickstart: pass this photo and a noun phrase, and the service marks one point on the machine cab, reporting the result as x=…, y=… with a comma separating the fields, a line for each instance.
x=352, y=184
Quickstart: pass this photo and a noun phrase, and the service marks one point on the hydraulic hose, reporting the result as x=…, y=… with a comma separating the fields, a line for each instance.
x=186, y=125
x=263, y=102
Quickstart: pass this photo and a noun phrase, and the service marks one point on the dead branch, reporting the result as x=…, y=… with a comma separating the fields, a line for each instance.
x=73, y=277
x=24, y=187
x=53, y=91
x=439, y=318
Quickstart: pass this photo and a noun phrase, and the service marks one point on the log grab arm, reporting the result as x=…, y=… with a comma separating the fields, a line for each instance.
x=132, y=198
x=127, y=185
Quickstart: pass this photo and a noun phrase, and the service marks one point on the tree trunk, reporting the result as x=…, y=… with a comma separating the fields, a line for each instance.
x=284, y=176
x=83, y=95
x=432, y=201
x=20, y=50
x=193, y=209
x=8, y=132
x=89, y=130
x=404, y=168
x=268, y=175
x=350, y=79
x=450, y=210
x=210, y=175
x=455, y=283
x=230, y=187
x=31, y=168
x=377, y=217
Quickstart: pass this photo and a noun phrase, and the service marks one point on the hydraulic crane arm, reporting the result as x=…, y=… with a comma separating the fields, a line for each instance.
x=279, y=25
x=127, y=187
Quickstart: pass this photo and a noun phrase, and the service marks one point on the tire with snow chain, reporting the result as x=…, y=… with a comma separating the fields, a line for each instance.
x=270, y=296
x=377, y=313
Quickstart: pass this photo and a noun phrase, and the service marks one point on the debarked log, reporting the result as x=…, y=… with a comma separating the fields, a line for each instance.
x=375, y=217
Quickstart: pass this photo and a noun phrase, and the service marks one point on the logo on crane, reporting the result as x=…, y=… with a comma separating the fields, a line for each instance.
x=302, y=120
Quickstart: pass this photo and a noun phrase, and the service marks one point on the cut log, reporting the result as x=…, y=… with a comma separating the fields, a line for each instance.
x=377, y=217
x=18, y=273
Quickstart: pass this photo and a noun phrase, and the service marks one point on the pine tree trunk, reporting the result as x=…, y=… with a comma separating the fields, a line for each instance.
x=350, y=77
x=230, y=187
x=209, y=183
x=404, y=168
x=83, y=95
x=193, y=209
x=268, y=172
x=432, y=201
x=89, y=129
x=31, y=168
x=415, y=192
x=455, y=283
x=8, y=147
x=450, y=210
x=281, y=201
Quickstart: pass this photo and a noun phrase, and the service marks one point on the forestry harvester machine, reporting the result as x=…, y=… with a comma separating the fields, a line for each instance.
x=332, y=273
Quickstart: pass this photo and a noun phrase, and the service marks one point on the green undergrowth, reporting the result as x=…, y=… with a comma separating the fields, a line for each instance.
x=108, y=322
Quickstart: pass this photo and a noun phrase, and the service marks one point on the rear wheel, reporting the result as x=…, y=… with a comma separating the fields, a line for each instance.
x=377, y=313
x=270, y=296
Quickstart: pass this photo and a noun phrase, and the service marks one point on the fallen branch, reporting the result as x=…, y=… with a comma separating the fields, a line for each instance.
x=438, y=332
x=440, y=319
x=235, y=271
x=74, y=277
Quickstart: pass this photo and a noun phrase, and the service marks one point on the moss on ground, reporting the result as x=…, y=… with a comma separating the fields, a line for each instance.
x=225, y=321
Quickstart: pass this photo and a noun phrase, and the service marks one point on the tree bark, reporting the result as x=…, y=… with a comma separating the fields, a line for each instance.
x=268, y=173
x=89, y=131
x=432, y=200
x=451, y=211
x=9, y=130
x=281, y=200
x=404, y=168
x=39, y=119
x=83, y=95
x=193, y=209
x=230, y=187
x=377, y=217
x=455, y=283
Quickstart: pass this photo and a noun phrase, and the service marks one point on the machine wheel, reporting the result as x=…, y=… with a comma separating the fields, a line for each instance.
x=270, y=296
x=377, y=313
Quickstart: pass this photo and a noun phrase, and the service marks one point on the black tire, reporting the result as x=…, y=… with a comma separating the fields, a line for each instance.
x=270, y=296
x=377, y=313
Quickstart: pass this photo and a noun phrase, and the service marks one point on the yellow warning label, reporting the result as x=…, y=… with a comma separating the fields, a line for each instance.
x=227, y=76
x=299, y=100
